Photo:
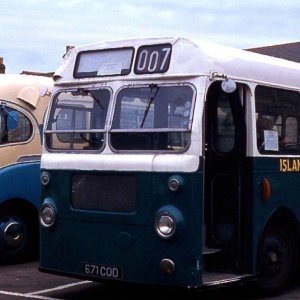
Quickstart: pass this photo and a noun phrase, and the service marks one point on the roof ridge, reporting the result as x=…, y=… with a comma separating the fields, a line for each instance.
x=272, y=46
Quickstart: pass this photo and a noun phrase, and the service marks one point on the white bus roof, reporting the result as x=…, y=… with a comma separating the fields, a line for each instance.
x=194, y=58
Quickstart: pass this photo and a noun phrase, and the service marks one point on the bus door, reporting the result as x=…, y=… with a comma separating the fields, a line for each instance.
x=224, y=155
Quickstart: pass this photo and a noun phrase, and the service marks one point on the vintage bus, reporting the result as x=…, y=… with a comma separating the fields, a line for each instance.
x=23, y=102
x=160, y=165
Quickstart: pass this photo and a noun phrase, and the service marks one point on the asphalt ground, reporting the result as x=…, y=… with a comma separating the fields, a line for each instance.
x=24, y=281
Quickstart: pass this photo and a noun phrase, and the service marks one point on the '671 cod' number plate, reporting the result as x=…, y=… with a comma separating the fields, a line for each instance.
x=102, y=271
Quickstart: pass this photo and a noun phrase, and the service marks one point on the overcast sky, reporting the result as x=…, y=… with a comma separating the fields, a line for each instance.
x=34, y=33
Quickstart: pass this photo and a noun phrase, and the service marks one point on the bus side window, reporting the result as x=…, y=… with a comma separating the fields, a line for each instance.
x=19, y=128
x=225, y=128
x=3, y=130
x=15, y=126
x=281, y=108
x=262, y=124
x=291, y=129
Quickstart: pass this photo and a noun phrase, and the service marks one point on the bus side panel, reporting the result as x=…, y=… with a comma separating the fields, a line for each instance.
x=21, y=181
x=283, y=175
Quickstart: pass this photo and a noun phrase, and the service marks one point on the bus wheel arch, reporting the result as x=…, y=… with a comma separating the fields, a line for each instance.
x=278, y=252
x=19, y=231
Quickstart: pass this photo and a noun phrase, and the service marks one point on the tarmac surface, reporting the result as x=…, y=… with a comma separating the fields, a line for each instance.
x=24, y=281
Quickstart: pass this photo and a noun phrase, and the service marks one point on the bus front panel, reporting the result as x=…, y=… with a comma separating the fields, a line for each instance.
x=131, y=226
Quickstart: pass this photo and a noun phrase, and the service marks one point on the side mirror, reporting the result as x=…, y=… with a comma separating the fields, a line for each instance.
x=228, y=85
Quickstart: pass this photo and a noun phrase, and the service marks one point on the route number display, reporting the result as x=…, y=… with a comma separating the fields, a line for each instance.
x=153, y=59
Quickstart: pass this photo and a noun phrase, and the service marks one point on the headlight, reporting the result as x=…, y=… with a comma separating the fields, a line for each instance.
x=175, y=183
x=45, y=178
x=47, y=215
x=165, y=225
x=167, y=266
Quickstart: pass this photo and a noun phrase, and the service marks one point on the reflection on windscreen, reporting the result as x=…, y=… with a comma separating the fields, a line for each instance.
x=152, y=118
x=77, y=120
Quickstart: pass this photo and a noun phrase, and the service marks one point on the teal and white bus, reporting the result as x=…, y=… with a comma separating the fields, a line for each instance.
x=174, y=162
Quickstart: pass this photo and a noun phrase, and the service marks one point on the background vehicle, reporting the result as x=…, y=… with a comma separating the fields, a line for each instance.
x=152, y=171
x=23, y=102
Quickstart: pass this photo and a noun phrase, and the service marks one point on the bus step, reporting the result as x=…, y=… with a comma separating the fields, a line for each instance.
x=206, y=250
x=211, y=279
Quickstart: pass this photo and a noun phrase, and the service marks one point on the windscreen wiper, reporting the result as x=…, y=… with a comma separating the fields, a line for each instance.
x=149, y=102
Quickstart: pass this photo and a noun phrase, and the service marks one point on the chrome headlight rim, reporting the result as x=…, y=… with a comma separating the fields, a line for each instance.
x=175, y=183
x=47, y=215
x=45, y=178
x=167, y=220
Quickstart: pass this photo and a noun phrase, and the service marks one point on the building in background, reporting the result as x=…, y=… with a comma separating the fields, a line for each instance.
x=289, y=51
x=2, y=66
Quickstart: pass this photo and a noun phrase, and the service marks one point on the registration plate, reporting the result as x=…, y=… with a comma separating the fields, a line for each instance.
x=102, y=271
